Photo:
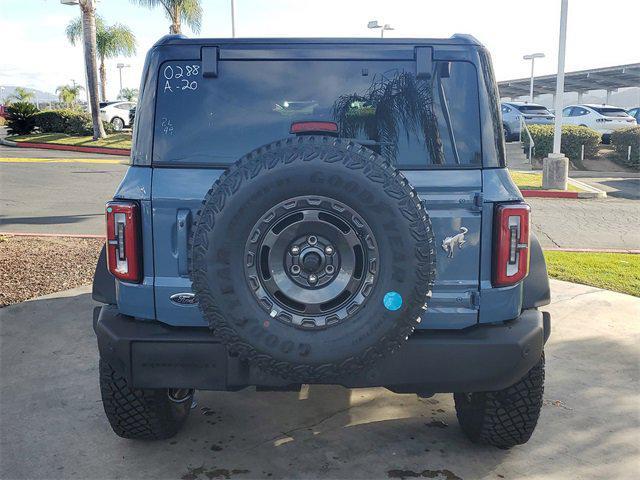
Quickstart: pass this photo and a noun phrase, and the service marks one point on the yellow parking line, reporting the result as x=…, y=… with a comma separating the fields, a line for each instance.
x=61, y=160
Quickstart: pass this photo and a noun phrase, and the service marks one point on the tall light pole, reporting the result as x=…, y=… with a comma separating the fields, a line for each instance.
x=120, y=66
x=233, y=19
x=532, y=57
x=555, y=168
x=374, y=24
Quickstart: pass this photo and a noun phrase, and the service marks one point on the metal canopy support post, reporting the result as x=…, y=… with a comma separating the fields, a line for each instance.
x=233, y=19
x=555, y=168
x=557, y=130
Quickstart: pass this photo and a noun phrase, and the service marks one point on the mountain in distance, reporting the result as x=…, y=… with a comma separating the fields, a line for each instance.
x=40, y=96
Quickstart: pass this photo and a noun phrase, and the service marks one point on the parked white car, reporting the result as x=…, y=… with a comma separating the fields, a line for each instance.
x=604, y=119
x=116, y=113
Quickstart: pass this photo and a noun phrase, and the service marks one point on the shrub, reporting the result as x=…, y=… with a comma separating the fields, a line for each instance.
x=52, y=121
x=3, y=121
x=622, y=140
x=573, y=137
x=71, y=122
x=21, y=118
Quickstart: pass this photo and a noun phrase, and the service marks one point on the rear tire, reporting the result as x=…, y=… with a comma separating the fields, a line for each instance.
x=508, y=136
x=504, y=418
x=117, y=123
x=142, y=414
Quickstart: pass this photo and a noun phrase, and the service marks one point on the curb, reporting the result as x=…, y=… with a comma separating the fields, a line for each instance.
x=549, y=194
x=589, y=191
x=593, y=250
x=66, y=148
x=54, y=235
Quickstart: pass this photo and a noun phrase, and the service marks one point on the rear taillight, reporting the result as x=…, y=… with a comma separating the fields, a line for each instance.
x=123, y=240
x=511, y=255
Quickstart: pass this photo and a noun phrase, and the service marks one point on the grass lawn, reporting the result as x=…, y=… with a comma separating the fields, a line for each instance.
x=533, y=181
x=115, y=140
x=619, y=272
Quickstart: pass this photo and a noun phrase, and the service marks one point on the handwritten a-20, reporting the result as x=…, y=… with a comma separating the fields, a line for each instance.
x=178, y=78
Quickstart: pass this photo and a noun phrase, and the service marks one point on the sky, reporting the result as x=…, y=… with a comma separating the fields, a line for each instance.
x=35, y=52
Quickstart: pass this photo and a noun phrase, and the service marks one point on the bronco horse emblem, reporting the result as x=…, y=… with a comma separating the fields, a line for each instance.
x=449, y=243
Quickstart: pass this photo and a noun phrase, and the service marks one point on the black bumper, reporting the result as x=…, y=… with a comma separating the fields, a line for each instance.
x=489, y=357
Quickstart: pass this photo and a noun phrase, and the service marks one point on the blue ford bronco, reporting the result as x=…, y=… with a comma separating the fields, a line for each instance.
x=330, y=211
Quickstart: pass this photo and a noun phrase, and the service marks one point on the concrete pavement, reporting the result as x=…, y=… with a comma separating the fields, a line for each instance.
x=615, y=186
x=53, y=426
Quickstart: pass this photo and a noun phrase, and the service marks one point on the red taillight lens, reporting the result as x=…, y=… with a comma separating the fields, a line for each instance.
x=123, y=240
x=511, y=255
x=314, y=127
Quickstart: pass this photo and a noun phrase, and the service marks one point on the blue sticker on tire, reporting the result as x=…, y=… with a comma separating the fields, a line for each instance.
x=392, y=301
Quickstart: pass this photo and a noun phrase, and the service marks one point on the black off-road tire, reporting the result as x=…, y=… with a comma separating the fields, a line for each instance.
x=504, y=418
x=140, y=414
x=300, y=168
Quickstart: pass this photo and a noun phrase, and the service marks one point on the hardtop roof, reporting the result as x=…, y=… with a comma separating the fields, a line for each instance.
x=457, y=39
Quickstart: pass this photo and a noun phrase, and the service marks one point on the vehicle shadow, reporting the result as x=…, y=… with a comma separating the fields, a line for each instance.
x=628, y=188
x=52, y=424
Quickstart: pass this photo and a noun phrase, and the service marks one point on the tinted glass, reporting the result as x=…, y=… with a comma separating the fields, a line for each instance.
x=380, y=103
x=533, y=109
x=611, y=112
x=566, y=112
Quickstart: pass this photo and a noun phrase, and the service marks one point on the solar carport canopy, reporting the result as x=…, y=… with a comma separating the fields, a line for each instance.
x=607, y=78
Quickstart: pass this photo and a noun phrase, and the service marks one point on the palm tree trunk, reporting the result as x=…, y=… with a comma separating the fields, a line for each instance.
x=89, y=39
x=175, y=20
x=103, y=80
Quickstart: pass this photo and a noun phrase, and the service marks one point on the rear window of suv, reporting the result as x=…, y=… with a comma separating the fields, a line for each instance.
x=415, y=123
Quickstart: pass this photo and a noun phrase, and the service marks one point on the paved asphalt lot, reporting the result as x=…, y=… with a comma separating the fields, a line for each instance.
x=56, y=197
x=53, y=426
x=70, y=197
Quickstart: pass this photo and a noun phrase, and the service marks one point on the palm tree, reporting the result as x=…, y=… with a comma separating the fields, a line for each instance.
x=20, y=94
x=88, y=33
x=392, y=100
x=178, y=11
x=128, y=94
x=111, y=41
x=68, y=93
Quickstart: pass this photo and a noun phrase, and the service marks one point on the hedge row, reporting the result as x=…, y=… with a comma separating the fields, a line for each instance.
x=71, y=122
x=573, y=137
x=24, y=118
x=622, y=140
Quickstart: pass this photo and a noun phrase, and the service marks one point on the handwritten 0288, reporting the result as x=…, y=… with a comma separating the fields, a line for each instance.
x=179, y=78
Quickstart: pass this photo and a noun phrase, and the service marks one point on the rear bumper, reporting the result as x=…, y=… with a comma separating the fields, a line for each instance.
x=488, y=357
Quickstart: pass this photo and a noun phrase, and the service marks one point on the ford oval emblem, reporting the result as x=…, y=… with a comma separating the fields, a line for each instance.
x=183, y=299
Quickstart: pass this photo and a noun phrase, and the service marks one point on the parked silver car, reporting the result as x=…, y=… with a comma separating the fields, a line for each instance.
x=531, y=113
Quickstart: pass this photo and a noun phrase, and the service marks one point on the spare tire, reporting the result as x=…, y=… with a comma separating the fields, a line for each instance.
x=312, y=257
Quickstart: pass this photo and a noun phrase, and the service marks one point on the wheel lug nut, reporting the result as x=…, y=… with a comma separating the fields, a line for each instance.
x=312, y=240
x=295, y=250
x=329, y=269
x=313, y=279
x=328, y=250
x=295, y=269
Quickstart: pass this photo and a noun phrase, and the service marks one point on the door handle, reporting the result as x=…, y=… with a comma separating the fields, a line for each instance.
x=183, y=222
